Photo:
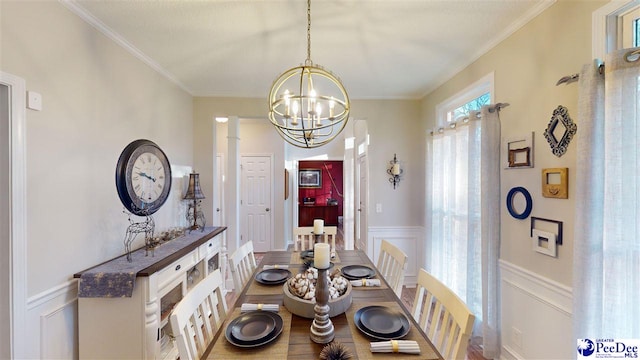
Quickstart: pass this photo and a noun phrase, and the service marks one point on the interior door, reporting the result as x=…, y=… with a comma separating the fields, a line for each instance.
x=255, y=202
x=361, y=210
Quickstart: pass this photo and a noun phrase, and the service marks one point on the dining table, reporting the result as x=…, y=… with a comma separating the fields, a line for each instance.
x=294, y=341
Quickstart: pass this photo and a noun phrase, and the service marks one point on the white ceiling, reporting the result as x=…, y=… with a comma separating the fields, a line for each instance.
x=381, y=49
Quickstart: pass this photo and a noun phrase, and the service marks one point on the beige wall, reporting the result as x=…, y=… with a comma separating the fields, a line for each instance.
x=527, y=66
x=536, y=301
x=394, y=127
x=96, y=99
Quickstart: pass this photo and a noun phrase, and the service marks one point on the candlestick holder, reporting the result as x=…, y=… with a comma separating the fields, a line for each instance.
x=317, y=238
x=322, y=330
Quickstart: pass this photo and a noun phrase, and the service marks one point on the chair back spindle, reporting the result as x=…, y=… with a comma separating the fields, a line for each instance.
x=443, y=316
x=242, y=264
x=392, y=265
x=198, y=316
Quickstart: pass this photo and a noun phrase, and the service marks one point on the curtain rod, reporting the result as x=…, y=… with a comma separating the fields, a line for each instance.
x=465, y=119
x=630, y=56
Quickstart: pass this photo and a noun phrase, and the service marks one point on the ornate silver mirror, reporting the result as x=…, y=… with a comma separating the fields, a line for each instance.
x=560, y=131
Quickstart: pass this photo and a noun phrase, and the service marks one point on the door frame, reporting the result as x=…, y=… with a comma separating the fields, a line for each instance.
x=18, y=213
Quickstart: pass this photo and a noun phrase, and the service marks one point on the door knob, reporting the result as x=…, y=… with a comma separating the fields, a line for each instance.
x=267, y=209
x=359, y=209
x=217, y=209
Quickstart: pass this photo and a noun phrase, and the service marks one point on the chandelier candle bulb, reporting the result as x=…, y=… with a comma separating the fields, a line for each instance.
x=321, y=256
x=318, y=226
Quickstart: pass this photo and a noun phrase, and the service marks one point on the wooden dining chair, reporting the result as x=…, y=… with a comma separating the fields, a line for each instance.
x=242, y=263
x=303, y=238
x=443, y=316
x=198, y=316
x=392, y=264
x=330, y=233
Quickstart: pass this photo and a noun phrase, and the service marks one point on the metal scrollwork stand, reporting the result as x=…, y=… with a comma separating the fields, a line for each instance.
x=147, y=227
x=196, y=217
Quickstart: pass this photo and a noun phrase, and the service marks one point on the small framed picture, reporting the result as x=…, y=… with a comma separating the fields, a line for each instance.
x=310, y=178
x=518, y=151
x=555, y=183
x=544, y=242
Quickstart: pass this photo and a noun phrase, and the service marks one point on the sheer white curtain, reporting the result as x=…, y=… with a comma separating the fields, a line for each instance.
x=606, y=270
x=463, y=216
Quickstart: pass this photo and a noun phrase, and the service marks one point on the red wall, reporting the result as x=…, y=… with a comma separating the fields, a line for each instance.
x=327, y=190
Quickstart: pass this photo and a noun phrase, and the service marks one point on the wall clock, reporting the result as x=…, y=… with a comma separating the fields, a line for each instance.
x=143, y=177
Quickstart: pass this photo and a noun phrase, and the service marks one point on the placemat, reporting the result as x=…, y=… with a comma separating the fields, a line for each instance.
x=363, y=342
x=258, y=289
x=296, y=259
x=277, y=349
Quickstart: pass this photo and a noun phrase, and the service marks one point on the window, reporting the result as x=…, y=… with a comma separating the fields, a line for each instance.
x=615, y=26
x=461, y=199
x=630, y=29
x=472, y=98
x=473, y=105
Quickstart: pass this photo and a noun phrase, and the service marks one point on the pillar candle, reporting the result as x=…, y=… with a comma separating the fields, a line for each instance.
x=318, y=226
x=396, y=169
x=321, y=256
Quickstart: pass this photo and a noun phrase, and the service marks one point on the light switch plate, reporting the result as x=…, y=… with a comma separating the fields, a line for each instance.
x=34, y=100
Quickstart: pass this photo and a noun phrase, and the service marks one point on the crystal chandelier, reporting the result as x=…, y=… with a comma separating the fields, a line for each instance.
x=308, y=105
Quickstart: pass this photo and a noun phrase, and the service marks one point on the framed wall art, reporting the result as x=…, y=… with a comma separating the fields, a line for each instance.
x=310, y=178
x=560, y=131
x=548, y=225
x=518, y=151
x=544, y=242
x=555, y=183
x=512, y=206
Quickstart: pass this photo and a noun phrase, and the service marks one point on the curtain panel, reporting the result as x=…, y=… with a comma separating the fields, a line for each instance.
x=463, y=215
x=606, y=267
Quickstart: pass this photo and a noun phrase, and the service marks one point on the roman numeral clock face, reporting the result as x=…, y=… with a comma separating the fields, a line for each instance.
x=143, y=177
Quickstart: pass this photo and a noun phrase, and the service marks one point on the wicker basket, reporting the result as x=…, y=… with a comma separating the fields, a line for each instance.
x=304, y=308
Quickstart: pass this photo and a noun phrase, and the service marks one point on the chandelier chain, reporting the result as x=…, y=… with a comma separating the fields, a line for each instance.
x=308, y=61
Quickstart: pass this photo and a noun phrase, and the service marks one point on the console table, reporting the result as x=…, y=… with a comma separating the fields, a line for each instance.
x=126, y=315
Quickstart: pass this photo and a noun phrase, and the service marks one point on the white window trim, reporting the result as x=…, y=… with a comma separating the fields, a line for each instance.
x=482, y=86
x=604, y=26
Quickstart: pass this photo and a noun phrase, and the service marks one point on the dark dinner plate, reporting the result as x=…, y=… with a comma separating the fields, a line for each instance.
x=307, y=254
x=356, y=272
x=311, y=263
x=382, y=323
x=254, y=328
x=273, y=276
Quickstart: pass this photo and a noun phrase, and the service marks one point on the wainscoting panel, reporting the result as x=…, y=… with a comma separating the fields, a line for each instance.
x=409, y=239
x=536, y=316
x=52, y=323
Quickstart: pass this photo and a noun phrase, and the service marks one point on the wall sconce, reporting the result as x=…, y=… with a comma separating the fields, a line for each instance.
x=395, y=171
